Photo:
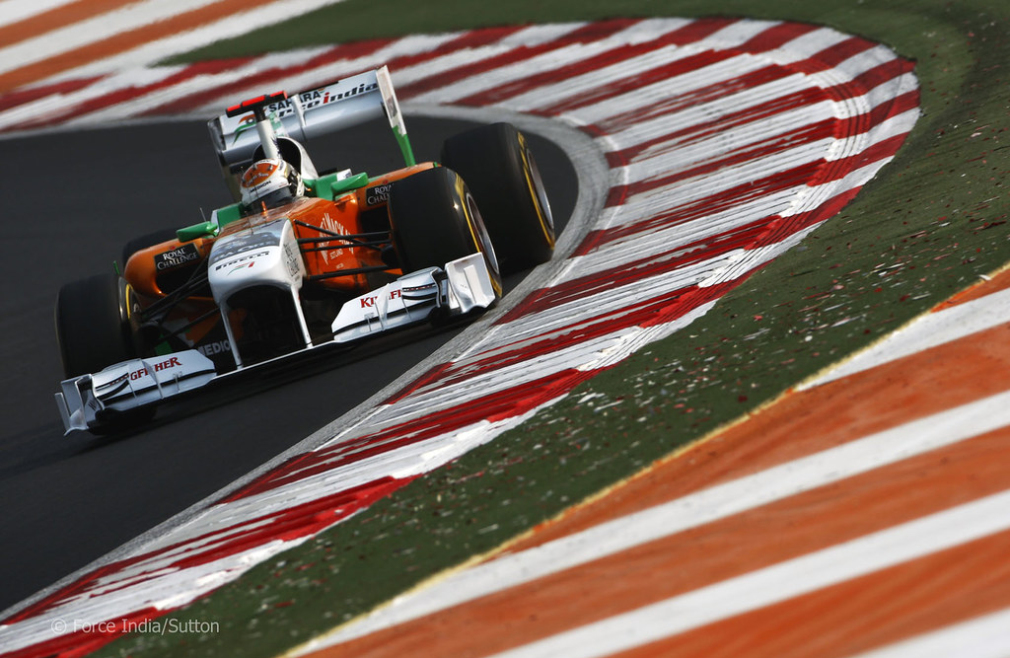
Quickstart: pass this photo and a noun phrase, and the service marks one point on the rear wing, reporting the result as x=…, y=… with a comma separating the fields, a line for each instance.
x=307, y=114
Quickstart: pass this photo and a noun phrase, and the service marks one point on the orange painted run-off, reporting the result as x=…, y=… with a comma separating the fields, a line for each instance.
x=717, y=551
x=809, y=421
x=57, y=18
x=879, y=609
x=121, y=43
x=872, y=611
x=1001, y=281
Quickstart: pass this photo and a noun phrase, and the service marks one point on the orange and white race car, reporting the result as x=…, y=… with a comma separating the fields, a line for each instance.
x=302, y=260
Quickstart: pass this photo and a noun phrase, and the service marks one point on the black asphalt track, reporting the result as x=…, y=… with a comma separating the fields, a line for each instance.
x=69, y=203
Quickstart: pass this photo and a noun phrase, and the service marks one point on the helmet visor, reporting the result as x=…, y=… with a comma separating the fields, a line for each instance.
x=275, y=198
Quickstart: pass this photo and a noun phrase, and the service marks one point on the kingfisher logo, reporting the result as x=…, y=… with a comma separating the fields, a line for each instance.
x=369, y=302
x=158, y=367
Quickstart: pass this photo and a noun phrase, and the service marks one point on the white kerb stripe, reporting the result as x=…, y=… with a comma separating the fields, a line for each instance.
x=783, y=581
x=982, y=637
x=694, y=510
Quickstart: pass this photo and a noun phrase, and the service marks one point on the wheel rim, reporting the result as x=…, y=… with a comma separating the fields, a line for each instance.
x=481, y=234
x=539, y=194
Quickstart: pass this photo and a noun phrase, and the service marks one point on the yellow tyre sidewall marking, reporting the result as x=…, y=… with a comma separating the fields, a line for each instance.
x=531, y=188
x=471, y=225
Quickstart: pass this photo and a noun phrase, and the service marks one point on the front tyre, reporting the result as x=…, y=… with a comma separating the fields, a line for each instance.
x=94, y=324
x=498, y=166
x=435, y=220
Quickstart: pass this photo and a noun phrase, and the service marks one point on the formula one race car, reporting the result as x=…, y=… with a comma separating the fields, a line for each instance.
x=301, y=260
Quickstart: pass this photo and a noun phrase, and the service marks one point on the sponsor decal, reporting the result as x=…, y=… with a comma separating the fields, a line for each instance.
x=319, y=97
x=158, y=367
x=187, y=253
x=217, y=347
x=378, y=194
x=369, y=302
x=292, y=259
x=235, y=246
x=245, y=123
x=311, y=99
x=332, y=226
x=308, y=100
x=248, y=122
x=259, y=173
x=247, y=260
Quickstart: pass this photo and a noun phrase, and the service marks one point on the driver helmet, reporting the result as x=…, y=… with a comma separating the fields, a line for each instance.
x=270, y=183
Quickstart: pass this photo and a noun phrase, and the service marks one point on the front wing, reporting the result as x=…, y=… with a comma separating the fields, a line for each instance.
x=94, y=400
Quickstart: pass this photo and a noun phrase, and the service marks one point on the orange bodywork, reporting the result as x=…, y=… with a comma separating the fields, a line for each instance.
x=156, y=271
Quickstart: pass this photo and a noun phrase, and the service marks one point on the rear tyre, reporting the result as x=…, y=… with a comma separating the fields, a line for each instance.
x=94, y=324
x=498, y=166
x=435, y=220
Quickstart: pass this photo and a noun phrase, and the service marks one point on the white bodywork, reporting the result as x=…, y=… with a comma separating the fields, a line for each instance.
x=262, y=255
x=131, y=385
x=462, y=286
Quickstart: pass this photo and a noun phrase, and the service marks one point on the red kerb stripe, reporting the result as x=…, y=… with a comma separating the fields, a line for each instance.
x=690, y=33
x=270, y=79
x=586, y=34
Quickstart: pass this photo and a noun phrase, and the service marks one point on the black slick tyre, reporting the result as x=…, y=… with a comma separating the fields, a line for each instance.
x=435, y=219
x=94, y=327
x=499, y=168
x=93, y=324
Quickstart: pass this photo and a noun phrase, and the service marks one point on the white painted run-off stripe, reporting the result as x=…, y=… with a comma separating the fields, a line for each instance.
x=13, y=11
x=694, y=510
x=226, y=28
x=783, y=581
x=983, y=637
x=97, y=29
x=926, y=332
